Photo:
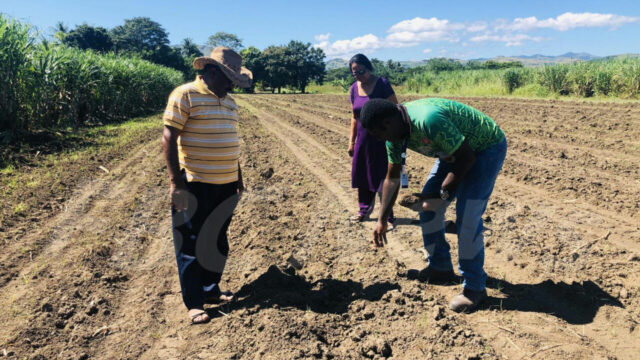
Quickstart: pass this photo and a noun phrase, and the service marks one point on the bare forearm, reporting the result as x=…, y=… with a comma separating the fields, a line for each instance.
x=354, y=131
x=454, y=178
x=170, y=150
x=390, y=190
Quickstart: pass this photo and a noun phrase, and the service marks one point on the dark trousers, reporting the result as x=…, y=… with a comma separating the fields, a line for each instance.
x=367, y=202
x=200, y=239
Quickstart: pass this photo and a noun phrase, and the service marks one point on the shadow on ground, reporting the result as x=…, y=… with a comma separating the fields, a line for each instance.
x=278, y=289
x=575, y=303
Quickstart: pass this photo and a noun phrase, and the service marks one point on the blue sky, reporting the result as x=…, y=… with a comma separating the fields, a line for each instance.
x=400, y=30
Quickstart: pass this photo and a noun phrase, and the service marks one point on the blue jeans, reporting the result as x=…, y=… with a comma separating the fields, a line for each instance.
x=472, y=197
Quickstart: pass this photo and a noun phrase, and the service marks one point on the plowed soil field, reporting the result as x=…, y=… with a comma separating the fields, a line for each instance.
x=94, y=274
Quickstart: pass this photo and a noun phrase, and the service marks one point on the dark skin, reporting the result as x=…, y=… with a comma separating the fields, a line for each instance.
x=220, y=85
x=396, y=129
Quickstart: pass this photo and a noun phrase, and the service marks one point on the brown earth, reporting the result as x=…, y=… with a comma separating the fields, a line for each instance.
x=562, y=254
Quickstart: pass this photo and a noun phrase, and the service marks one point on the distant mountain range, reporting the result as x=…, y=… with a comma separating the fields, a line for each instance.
x=337, y=63
x=539, y=60
x=526, y=60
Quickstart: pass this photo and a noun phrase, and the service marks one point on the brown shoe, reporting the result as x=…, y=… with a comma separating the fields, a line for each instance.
x=467, y=301
x=432, y=276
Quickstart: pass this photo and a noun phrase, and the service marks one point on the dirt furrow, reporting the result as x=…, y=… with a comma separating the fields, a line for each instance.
x=403, y=254
x=606, y=191
x=98, y=280
x=586, y=227
x=617, y=158
x=559, y=124
x=23, y=249
x=63, y=301
x=615, y=162
x=588, y=217
x=340, y=300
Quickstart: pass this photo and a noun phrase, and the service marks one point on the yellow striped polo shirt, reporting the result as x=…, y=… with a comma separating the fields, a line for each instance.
x=208, y=145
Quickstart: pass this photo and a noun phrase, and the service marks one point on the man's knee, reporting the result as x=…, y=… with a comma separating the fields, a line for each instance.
x=431, y=222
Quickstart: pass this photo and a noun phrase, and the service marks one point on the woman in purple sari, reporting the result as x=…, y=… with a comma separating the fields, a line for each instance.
x=369, y=166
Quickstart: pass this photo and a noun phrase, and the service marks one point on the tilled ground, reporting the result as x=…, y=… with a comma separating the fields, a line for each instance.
x=562, y=251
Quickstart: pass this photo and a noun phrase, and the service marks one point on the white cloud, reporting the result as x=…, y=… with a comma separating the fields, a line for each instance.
x=426, y=51
x=477, y=26
x=569, y=20
x=322, y=37
x=508, y=39
x=416, y=31
x=424, y=36
x=419, y=30
x=365, y=43
x=418, y=24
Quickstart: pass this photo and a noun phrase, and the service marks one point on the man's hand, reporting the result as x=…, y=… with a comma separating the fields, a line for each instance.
x=432, y=204
x=179, y=196
x=463, y=160
x=380, y=234
x=240, y=182
x=240, y=188
x=422, y=202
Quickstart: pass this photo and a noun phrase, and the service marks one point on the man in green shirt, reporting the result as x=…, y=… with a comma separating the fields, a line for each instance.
x=470, y=148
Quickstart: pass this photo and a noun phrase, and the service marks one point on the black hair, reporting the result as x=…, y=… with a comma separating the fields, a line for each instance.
x=361, y=60
x=375, y=110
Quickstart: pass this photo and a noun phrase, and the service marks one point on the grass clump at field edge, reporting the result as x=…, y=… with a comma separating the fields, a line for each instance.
x=36, y=178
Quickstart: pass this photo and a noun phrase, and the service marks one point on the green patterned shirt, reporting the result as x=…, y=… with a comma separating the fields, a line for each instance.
x=439, y=126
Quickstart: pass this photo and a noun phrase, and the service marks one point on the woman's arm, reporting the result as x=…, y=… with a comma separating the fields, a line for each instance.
x=352, y=134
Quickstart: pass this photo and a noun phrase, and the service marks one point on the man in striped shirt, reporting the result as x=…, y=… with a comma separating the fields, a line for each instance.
x=201, y=148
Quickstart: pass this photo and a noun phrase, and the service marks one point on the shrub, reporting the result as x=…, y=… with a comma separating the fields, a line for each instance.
x=583, y=78
x=554, y=78
x=512, y=79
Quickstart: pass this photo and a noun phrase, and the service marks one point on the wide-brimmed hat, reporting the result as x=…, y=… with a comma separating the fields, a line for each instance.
x=229, y=62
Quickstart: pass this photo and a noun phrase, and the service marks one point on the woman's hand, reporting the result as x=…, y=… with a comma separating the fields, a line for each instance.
x=350, y=149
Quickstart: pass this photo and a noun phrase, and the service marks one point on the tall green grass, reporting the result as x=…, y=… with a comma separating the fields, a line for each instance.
x=619, y=78
x=46, y=85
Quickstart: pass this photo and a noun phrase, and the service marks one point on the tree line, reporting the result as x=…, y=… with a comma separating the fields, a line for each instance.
x=294, y=65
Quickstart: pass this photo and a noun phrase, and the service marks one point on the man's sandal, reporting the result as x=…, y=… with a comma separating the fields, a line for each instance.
x=197, y=318
x=223, y=296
